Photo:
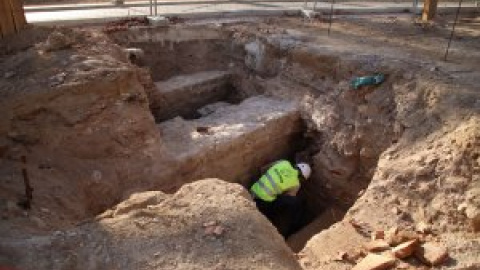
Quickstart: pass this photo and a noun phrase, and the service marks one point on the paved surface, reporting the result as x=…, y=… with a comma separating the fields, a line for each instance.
x=94, y=13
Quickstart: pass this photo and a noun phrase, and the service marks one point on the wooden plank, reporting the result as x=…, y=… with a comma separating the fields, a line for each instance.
x=6, y=18
x=18, y=14
x=429, y=9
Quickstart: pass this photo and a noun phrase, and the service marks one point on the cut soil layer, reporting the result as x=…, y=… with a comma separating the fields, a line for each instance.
x=185, y=95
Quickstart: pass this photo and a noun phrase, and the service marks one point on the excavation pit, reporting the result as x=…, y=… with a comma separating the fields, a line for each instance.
x=218, y=120
x=121, y=150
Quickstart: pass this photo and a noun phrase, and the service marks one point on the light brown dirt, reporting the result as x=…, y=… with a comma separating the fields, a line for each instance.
x=165, y=232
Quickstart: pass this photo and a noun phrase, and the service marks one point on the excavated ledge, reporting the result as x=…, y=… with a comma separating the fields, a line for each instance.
x=183, y=95
x=232, y=141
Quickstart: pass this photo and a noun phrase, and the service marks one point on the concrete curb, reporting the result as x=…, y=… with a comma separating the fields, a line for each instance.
x=195, y=15
x=145, y=4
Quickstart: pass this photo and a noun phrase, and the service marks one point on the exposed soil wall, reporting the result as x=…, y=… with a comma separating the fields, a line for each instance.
x=172, y=51
x=77, y=128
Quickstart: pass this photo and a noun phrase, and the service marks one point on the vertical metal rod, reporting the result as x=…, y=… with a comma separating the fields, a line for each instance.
x=156, y=8
x=415, y=7
x=315, y=5
x=26, y=181
x=331, y=16
x=453, y=30
x=151, y=7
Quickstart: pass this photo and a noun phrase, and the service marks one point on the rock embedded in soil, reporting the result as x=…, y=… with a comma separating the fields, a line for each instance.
x=57, y=41
x=473, y=214
x=431, y=254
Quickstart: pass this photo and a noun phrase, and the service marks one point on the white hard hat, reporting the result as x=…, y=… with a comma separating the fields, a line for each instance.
x=305, y=169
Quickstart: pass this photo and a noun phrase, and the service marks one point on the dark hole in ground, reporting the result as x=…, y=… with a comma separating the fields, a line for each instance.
x=318, y=210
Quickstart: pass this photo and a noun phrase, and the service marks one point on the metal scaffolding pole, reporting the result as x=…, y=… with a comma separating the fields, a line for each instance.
x=331, y=16
x=453, y=29
x=415, y=7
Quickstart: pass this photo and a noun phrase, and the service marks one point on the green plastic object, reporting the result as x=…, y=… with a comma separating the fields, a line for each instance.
x=367, y=80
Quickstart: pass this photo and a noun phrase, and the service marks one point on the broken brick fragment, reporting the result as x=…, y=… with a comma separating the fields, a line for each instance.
x=405, y=249
x=375, y=262
x=377, y=245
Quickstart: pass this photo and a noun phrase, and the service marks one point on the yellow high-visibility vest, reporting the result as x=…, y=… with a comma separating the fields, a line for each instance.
x=281, y=177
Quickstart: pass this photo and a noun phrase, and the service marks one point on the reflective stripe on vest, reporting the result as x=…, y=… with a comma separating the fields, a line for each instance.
x=267, y=190
x=273, y=184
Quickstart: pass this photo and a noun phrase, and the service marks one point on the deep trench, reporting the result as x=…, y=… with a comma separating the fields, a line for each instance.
x=167, y=61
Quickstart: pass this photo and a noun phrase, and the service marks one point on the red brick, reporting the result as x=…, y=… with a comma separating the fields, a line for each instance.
x=406, y=249
x=375, y=262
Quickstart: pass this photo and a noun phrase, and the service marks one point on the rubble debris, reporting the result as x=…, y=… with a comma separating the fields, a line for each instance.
x=213, y=228
x=473, y=214
x=341, y=256
x=375, y=262
x=57, y=41
x=376, y=235
x=122, y=25
x=396, y=210
x=405, y=249
x=377, y=245
x=360, y=227
x=403, y=265
x=218, y=230
x=431, y=254
x=423, y=227
x=394, y=236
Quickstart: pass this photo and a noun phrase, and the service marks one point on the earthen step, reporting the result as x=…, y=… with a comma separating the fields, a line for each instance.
x=234, y=141
x=329, y=216
x=183, y=95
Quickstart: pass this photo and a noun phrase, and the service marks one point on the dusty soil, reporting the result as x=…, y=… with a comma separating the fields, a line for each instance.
x=397, y=155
